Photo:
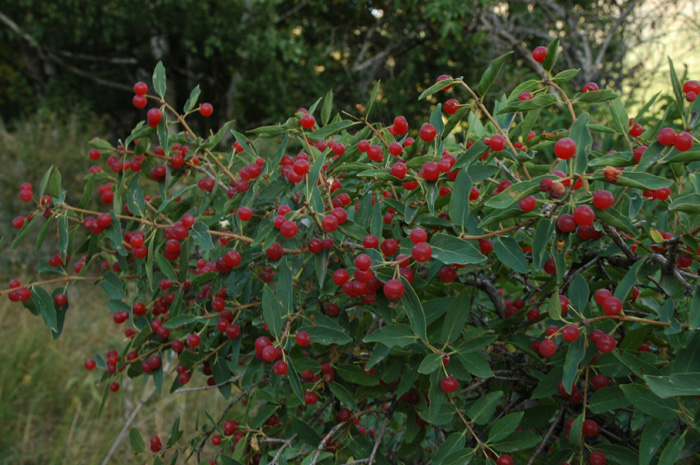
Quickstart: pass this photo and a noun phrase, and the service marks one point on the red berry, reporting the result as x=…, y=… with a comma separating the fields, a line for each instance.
x=600, y=295
x=393, y=289
x=451, y=106
x=600, y=382
x=400, y=125
x=418, y=235
x=547, y=348
x=90, y=364
x=329, y=223
x=566, y=223
x=430, y=171
x=303, y=338
x=584, y=215
x=497, y=143
x=308, y=121
x=442, y=77
x=370, y=242
x=140, y=88
x=486, y=246
x=427, y=132
x=570, y=333
x=636, y=130
x=565, y=148
x=590, y=87
x=193, y=340
x=603, y=199
x=612, y=306
x=691, y=86
x=449, y=384
x=341, y=276
x=154, y=116
x=310, y=398
x=139, y=101
x=280, y=367
x=288, y=229
x=597, y=458
x=422, y=252
x=683, y=141
x=528, y=203
x=606, y=343
x=539, y=54
x=206, y=109
x=505, y=460
x=447, y=274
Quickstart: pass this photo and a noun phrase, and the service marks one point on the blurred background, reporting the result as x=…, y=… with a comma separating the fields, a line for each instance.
x=66, y=74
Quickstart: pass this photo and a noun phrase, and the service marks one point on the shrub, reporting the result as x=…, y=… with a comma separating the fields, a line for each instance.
x=481, y=292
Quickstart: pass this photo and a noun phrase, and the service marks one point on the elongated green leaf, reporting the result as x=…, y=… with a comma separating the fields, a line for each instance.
x=615, y=218
x=596, y=96
x=26, y=229
x=159, y=79
x=582, y=136
x=47, y=310
x=201, y=236
x=414, y=309
x=372, y=98
x=620, y=117
x=459, y=457
x=505, y=426
x=689, y=203
x=327, y=107
x=552, y=55
x=676, y=84
x=330, y=129
x=192, y=100
x=672, y=450
x=678, y=384
x=482, y=410
x=554, y=306
x=565, y=76
x=607, y=399
x=694, y=318
x=510, y=254
x=453, y=250
x=456, y=316
x=437, y=87
x=642, y=180
x=272, y=311
x=136, y=441
x=491, y=73
x=343, y=395
x=518, y=441
x=645, y=400
x=655, y=432
x=574, y=356
x=393, y=335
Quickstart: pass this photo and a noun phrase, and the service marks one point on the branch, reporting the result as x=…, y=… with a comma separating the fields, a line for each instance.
x=206, y=388
x=545, y=440
x=611, y=32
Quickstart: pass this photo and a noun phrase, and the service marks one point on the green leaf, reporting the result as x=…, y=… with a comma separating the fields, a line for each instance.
x=518, y=441
x=554, y=307
x=677, y=90
x=453, y=250
x=353, y=230
x=552, y=55
x=436, y=119
x=565, y=76
x=213, y=141
x=454, y=442
x=596, y=96
x=614, y=218
x=326, y=109
x=536, y=103
x=574, y=356
x=414, y=309
x=321, y=265
x=306, y=433
x=582, y=136
x=483, y=409
x=343, y=395
x=543, y=233
x=45, y=180
x=136, y=441
x=599, y=128
x=459, y=200
x=689, y=203
x=694, y=317
x=672, y=450
x=437, y=87
x=201, y=236
x=642, y=180
x=326, y=331
x=112, y=286
x=456, y=316
x=330, y=129
x=355, y=374
x=159, y=79
x=44, y=304
x=192, y=100
x=624, y=287
x=178, y=194
x=505, y=426
x=134, y=197
x=272, y=311
x=459, y=457
x=393, y=335
x=510, y=254
x=516, y=192
x=26, y=229
x=678, y=384
x=654, y=434
x=645, y=400
x=620, y=117
x=430, y=363
x=491, y=73
x=607, y=399
x=475, y=364
x=372, y=98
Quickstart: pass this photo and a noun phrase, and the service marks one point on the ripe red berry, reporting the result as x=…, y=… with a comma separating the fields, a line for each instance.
x=505, y=459
x=422, y=252
x=308, y=121
x=430, y=171
x=600, y=382
x=303, y=338
x=370, y=242
x=590, y=87
x=547, y=348
x=154, y=116
x=280, y=367
x=486, y=246
x=206, y=109
x=442, y=77
x=449, y=384
x=590, y=428
x=90, y=364
x=597, y=458
x=310, y=398
x=565, y=148
x=528, y=203
x=140, y=88
x=570, y=333
x=341, y=276
x=683, y=141
x=193, y=340
x=329, y=223
x=539, y=54
x=603, y=199
x=447, y=274
x=400, y=125
x=566, y=223
x=288, y=229
x=139, y=101
x=497, y=143
x=584, y=215
x=393, y=289
x=606, y=343
x=427, y=132
x=600, y=295
x=636, y=130
x=395, y=149
x=612, y=306
x=418, y=235
x=451, y=106
x=525, y=96
x=363, y=262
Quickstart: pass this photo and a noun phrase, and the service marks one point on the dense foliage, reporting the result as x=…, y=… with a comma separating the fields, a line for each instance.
x=480, y=291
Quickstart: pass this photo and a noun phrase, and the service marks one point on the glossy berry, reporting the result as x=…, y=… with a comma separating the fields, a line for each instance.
x=363, y=262
x=447, y=274
x=600, y=295
x=600, y=382
x=590, y=428
x=566, y=223
x=427, y=132
x=547, y=348
x=156, y=445
x=340, y=276
x=451, y=106
x=329, y=223
x=206, y=109
x=193, y=340
x=584, y=215
x=565, y=148
x=422, y=252
x=90, y=364
x=528, y=203
x=683, y=141
x=612, y=306
x=310, y=398
x=603, y=199
x=288, y=229
x=539, y=54
x=308, y=121
x=430, y=171
x=597, y=458
x=505, y=459
x=303, y=338
x=486, y=246
x=140, y=88
x=497, y=143
x=393, y=289
x=449, y=384
x=280, y=367
x=590, y=87
x=606, y=343
x=418, y=235
x=666, y=136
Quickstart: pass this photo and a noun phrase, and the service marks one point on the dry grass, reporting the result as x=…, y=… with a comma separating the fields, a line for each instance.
x=49, y=402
